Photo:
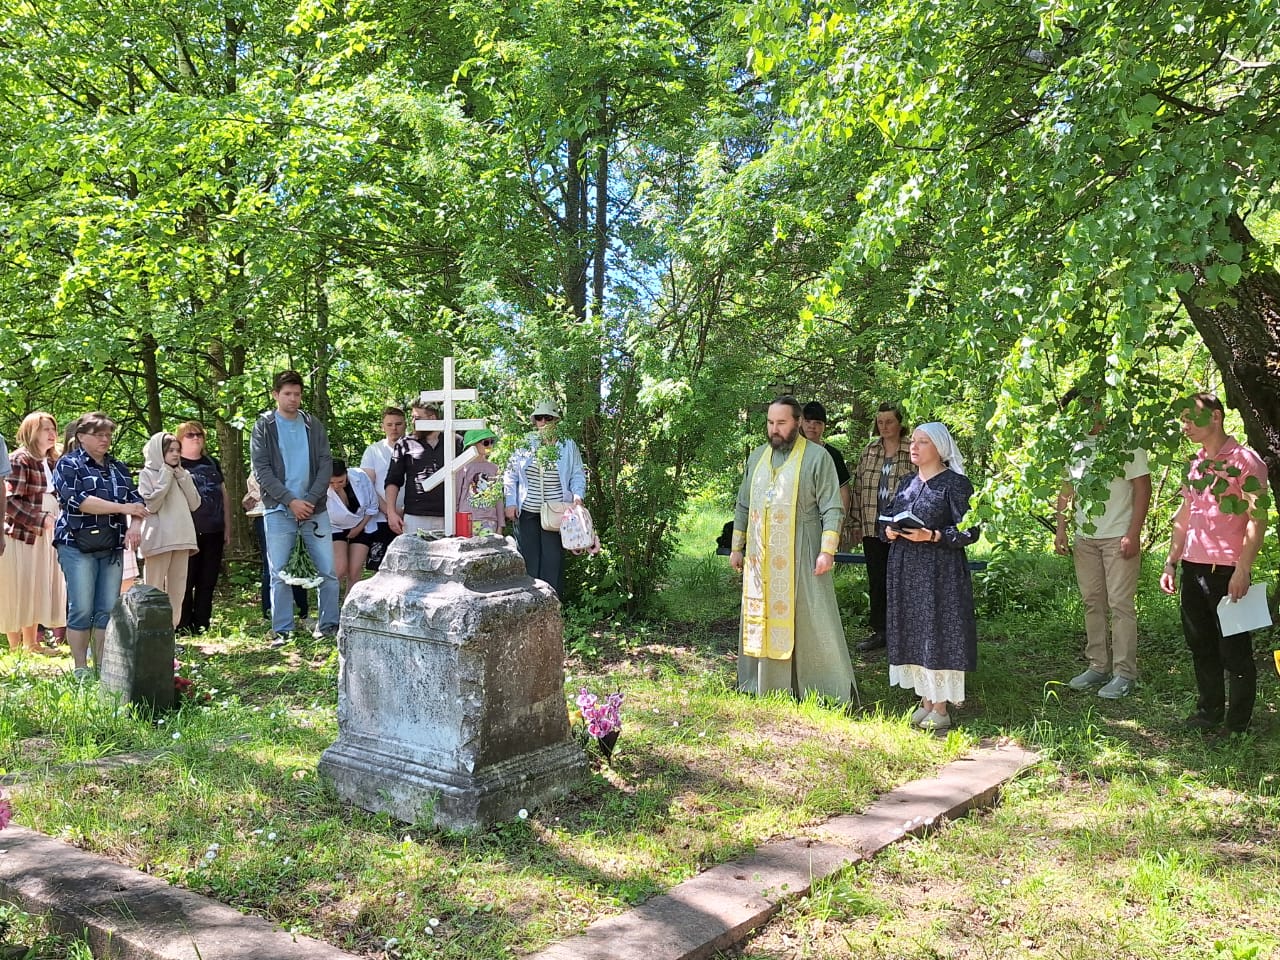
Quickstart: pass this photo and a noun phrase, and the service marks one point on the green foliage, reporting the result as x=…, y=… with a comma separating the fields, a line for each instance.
x=25, y=936
x=960, y=207
x=1052, y=195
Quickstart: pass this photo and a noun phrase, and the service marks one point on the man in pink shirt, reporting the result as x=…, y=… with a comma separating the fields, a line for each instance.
x=1217, y=533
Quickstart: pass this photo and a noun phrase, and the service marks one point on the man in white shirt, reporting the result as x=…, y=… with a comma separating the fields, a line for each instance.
x=1108, y=559
x=374, y=462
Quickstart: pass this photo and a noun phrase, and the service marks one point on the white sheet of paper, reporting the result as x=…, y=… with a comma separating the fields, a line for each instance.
x=1248, y=613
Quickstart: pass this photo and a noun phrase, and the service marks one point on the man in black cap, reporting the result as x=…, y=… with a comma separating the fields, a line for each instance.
x=813, y=424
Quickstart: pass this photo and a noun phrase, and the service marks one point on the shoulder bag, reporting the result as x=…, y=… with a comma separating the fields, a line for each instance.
x=552, y=510
x=95, y=539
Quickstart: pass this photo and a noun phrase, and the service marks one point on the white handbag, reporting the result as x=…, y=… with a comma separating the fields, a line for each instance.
x=577, y=532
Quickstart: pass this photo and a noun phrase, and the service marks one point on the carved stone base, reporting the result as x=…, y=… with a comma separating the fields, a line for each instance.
x=451, y=687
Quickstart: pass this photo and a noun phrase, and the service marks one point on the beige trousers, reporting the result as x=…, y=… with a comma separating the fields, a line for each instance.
x=1108, y=583
x=168, y=572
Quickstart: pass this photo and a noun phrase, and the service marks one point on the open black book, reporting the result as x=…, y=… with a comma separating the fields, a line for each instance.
x=906, y=520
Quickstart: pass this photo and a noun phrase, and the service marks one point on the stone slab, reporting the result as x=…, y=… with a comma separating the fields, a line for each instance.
x=137, y=657
x=719, y=908
x=128, y=915
x=451, y=688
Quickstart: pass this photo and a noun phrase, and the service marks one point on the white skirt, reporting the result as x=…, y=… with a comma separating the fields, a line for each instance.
x=934, y=685
x=32, y=589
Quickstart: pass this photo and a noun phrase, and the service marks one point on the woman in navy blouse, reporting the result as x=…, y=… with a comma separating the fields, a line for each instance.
x=97, y=493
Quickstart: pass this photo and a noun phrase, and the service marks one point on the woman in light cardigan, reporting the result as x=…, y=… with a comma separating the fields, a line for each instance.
x=352, y=504
x=531, y=480
x=168, y=532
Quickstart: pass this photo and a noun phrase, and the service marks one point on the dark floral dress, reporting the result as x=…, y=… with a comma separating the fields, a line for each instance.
x=931, y=630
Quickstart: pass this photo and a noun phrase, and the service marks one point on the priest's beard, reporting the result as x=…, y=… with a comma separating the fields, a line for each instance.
x=783, y=440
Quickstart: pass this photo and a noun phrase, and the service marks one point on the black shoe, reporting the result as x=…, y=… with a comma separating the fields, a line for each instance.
x=874, y=642
x=1225, y=735
x=1203, y=720
x=279, y=639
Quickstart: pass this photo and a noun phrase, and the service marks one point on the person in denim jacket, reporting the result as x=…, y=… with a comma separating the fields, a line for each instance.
x=545, y=468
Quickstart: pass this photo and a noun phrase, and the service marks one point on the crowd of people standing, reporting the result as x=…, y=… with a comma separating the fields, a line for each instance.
x=77, y=521
x=74, y=521
x=908, y=505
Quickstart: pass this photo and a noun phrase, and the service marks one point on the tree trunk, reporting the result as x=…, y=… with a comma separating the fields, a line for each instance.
x=573, y=267
x=321, y=407
x=151, y=382
x=231, y=449
x=591, y=427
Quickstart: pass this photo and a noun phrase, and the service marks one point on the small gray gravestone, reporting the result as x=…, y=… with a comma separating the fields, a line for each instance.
x=451, y=687
x=137, y=655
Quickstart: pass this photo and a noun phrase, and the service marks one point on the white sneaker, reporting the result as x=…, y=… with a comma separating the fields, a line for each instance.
x=1090, y=678
x=1118, y=687
x=936, y=721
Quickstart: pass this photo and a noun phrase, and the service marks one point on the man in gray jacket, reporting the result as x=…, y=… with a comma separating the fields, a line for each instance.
x=291, y=458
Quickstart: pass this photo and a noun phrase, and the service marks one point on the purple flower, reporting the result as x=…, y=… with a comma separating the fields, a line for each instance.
x=6, y=812
x=600, y=717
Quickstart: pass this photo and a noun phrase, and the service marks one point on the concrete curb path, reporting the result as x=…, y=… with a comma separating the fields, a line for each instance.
x=718, y=908
x=128, y=914
x=124, y=913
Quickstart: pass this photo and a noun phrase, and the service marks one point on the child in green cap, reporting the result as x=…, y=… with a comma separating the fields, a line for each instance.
x=477, y=476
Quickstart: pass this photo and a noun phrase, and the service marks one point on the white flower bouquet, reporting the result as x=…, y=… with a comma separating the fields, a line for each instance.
x=300, y=571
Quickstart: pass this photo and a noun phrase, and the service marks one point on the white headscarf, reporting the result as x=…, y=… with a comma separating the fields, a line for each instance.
x=947, y=449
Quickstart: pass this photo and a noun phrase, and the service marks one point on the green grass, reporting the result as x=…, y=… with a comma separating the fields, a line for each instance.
x=227, y=801
x=25, y=936
x=1064, y=867
x=1131, y=837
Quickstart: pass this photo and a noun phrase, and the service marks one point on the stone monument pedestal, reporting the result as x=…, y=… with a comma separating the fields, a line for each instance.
x=451, y=700
x=137, y=652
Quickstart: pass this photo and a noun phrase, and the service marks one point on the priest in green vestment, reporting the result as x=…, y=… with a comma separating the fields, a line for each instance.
x=785, y=533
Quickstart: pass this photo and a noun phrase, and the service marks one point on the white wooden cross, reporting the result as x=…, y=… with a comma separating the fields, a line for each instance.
x=445, y=399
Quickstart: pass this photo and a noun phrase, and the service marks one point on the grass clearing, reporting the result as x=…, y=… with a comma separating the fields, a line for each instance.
x=228, y=803
x=1132, y=839
x=26, y=936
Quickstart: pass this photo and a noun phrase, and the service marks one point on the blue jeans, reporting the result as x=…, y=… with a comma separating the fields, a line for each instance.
x=299, y=595
x=317, y=538
x=93, y=585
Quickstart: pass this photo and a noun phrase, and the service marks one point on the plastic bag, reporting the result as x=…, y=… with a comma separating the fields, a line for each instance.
x=577, y=532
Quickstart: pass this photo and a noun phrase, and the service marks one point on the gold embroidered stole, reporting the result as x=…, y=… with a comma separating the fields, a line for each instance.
x=769, y=580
